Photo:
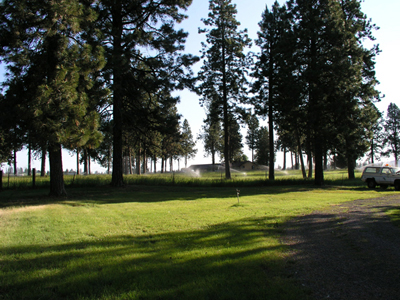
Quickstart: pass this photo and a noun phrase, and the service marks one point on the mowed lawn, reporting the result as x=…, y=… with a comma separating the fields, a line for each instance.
x=148, y=242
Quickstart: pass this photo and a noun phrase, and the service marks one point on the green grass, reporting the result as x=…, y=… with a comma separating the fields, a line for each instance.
x=394, y=215
x=148, y=242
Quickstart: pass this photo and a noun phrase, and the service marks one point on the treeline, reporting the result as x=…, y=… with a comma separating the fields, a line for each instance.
x=313, y=79
x=97, y=77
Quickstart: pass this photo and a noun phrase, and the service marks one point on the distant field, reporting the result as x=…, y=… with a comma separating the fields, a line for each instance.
x=252, y=178
x=155, y=242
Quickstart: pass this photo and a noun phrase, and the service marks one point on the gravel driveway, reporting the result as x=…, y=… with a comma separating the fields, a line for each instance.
x=350, y=251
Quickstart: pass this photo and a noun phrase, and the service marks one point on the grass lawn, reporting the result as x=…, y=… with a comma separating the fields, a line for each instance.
x=148, y=242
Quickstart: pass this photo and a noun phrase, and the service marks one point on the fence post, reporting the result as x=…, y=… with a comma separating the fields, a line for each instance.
x=33, y=177
x=1, y=180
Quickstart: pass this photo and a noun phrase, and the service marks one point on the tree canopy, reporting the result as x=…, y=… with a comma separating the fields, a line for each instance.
x=98, y=78
x=50, y=71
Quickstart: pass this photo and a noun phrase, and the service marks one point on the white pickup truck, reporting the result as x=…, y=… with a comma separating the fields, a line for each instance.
x=382, y=176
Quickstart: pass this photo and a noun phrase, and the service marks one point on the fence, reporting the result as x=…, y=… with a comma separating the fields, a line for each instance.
x=33, y=182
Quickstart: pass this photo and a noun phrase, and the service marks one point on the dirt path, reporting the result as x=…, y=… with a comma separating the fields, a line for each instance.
x=350, y=251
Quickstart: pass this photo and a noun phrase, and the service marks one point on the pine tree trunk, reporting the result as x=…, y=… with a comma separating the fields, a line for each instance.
x=15, y=162
x=310, y=164
x=118, y=66
x=225, y=108
x=319, y=172
x=43, y=167
x=85, y=162
x=315, y=112
x=109, y=160
x=351, y=168
x=130, y=160
x=138, y=163
x=124, y=165
x=303, y=169
x=351, y=161
x=213, y=159
x=144, y=162
x=29, y=159
x=351, y=165
x=284, y=159
x=271, y=174
x=77, y=162
x=56, y=171
x=372, y=151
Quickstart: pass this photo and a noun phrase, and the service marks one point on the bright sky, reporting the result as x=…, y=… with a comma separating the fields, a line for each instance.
x=383, y=13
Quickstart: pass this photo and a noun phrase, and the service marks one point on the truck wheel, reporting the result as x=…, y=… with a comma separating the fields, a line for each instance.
x=397, y=185
x=384, y=186
x=371, y=183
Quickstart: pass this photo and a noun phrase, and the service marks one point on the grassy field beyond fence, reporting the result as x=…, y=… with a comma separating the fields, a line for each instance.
x=156, y=242
x=252, y=178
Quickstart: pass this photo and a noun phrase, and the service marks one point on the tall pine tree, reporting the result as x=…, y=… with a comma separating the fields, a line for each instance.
x=223, y=74
x=252, y=131
x=141, y=43
x=272, y=39
x=262, y=146
x=392, y=130
x=187, y=142
x=212, y=137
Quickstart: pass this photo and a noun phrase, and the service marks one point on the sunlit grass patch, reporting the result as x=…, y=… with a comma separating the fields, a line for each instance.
x=395, y=216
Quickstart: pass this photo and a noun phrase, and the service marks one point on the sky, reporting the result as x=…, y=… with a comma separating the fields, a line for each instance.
x=384, y=13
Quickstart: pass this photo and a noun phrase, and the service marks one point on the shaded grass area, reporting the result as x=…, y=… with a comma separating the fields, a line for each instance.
x=167, y=242
x=200, y=264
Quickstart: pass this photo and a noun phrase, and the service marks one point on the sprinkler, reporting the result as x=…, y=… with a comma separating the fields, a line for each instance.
x=237, y=194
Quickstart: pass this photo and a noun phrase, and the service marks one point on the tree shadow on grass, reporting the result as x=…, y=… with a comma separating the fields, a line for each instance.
x=128, y=194
x=146, y=194
x=235, y=260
